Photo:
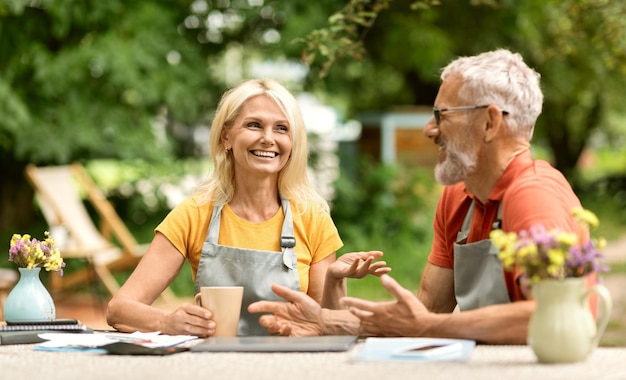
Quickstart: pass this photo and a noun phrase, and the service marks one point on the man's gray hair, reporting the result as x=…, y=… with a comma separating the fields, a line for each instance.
x=501, y=77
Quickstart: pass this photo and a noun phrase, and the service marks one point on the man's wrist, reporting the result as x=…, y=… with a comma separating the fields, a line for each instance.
x=339, y=322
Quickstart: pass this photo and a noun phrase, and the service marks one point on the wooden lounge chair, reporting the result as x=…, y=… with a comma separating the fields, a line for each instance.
x=108, y=249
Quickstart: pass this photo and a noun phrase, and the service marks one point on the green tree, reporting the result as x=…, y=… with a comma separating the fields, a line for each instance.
x=391, y=51
x=579, y=46
x=88, y=79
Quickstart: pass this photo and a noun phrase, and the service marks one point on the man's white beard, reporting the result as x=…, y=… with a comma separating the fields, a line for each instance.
x=455, y=168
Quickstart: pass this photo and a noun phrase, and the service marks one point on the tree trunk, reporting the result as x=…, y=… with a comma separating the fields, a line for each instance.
x=568, y=142
x=16, y=195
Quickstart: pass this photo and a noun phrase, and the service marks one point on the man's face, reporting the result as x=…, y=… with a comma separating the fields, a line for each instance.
x=454, y=135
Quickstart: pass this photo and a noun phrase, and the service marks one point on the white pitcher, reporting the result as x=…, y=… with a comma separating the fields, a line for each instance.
x=562, y=328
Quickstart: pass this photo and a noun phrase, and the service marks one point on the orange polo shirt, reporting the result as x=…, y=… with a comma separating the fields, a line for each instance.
x=531, y=191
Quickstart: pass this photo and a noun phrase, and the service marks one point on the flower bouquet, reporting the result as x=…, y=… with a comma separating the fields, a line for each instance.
x=31, y=253
x=563, y=328
x=29, y=300
x=553, y=254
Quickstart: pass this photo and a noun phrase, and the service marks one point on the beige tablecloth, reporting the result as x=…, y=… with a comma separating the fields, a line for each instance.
x=486, y=362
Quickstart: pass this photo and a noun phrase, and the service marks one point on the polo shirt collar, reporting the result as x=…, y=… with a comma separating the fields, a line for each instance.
x=518, y=164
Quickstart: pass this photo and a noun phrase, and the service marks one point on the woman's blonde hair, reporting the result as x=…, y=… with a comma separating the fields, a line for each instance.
x=293, y=182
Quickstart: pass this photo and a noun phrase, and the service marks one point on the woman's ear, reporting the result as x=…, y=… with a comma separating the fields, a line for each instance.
x=225, y=139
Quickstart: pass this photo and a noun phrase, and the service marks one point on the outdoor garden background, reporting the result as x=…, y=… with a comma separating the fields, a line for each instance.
x=128, y=88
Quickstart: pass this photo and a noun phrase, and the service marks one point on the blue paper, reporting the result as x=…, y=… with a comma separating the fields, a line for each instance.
x=376, y=349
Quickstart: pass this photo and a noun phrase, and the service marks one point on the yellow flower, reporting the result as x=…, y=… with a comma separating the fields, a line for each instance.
x=567, y=239
x=540, y=254
x=600, y=243
x=586, y=217
x=527, y=251
x=556, y=257
x=32, y=253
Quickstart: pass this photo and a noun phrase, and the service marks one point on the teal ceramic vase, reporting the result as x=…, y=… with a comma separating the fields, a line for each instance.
x=29, y=300
x=562, y=329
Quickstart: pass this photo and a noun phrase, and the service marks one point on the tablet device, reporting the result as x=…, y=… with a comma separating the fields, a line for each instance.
x=276, y=344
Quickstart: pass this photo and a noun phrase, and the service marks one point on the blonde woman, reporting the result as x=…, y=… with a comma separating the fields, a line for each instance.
x=255, y=222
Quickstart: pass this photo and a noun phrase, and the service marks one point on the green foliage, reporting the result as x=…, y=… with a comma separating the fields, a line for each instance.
x=93, y=76
x=343, y=37
x=88, y=79
x=345, y=33
x=387, y=208
x=578, y=46
x=143, y=193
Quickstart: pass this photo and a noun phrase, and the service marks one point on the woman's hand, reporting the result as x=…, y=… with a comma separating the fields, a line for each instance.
x=189, y=319
x=358, y=265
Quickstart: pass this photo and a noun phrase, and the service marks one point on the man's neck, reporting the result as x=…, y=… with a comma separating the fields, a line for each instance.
x=482, y=183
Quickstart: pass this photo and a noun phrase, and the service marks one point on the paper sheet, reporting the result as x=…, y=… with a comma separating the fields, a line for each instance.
x=387, y=349
x=91, y=342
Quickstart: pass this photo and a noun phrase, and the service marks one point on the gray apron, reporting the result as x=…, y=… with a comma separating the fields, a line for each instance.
x=478, y=274
x=255, y=270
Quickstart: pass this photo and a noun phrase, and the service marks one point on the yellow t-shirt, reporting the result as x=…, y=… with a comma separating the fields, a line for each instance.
x=316, y=236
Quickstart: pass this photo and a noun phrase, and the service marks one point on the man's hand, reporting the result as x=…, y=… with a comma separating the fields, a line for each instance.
x=299, y=316
x=406, y=316
x=358, y=265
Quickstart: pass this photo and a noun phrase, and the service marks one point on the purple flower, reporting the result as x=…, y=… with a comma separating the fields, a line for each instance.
x=551, y=254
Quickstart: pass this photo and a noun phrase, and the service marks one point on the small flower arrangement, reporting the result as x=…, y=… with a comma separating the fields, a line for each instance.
x=31, y=253
x=553, y=254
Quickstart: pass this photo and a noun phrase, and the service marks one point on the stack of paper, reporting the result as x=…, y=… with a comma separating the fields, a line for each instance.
x=95, y=342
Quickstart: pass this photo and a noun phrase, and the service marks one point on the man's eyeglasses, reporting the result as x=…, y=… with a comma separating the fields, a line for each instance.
x=437, y=111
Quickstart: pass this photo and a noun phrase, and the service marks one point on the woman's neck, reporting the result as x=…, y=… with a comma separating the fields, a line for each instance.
x=255, y=206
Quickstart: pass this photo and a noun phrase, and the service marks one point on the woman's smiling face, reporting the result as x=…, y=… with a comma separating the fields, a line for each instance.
x=260, y=138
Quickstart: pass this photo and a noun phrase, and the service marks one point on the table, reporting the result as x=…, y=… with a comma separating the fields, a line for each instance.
x=486, y=362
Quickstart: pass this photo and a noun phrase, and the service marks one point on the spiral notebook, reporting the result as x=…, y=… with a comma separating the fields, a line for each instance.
x=62, y=324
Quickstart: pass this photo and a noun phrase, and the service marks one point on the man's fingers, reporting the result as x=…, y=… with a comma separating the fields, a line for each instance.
x=357, y=303
x=395, y=288
x=391, y=285
x=361, y=314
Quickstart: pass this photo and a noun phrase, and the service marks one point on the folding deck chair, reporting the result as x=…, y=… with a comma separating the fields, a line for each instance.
x=108, y=249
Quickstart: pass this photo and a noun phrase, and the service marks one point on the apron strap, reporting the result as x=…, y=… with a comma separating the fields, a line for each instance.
x=461, y=235
x=214, y=225
x=287, y=240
